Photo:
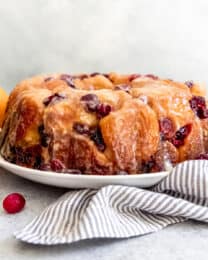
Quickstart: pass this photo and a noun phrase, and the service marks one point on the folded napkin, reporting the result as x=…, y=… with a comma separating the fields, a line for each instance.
x=119, y=212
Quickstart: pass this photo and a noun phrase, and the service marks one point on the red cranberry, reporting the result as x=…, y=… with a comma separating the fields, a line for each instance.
x=103, y=74
x=147, y=167
x=177, y=143
x=202, y=113
x=53, y=98
x=56, y=165
x=106, y=75
x=91, y=101
x=103, y=110
x=198, y=105
x=150, y=166
x=13, y=203
x=123, y=87
x=83, y=76
x=94, y=134
x=68, y=79
x=134, y=76
x=203, y=156
x=48, y=79
x=89, y=97
x=197, y=102
x=93, y=105
x=94, y=74
x=96, y=137
x=180, y=135
x=205, y=113
x=189, y=83
x=151, y=76
x=81, y=128
x=183, y=132
x=166, y=128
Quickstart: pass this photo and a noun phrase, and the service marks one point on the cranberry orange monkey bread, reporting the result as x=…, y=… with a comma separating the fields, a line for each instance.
x=104, y=123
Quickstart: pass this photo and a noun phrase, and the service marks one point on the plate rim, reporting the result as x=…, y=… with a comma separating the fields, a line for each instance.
x=40, y=173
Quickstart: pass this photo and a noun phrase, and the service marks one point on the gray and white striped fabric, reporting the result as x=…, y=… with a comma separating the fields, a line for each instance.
x=120, y=211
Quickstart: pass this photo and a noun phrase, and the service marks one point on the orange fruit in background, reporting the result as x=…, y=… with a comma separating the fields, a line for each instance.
x=3, y=103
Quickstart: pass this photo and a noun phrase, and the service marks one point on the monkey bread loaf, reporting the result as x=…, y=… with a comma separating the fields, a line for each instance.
x=104, y=124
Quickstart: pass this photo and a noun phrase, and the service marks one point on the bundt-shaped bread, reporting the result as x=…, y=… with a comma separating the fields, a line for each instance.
x=104, y=123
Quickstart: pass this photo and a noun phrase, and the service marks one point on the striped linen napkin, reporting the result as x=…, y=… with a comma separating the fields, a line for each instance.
x=119, y=212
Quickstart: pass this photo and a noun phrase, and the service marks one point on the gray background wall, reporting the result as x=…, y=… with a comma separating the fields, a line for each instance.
x=165, y=37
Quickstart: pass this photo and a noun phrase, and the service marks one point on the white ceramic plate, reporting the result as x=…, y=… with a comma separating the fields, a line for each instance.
x=83, y=181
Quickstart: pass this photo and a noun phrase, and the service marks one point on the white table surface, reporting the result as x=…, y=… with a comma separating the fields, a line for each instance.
x=181, y=241
x=165, y=37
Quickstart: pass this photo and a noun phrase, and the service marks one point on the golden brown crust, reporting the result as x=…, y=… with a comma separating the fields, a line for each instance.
x=48, y=119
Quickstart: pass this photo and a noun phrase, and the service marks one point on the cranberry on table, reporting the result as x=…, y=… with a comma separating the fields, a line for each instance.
x=13, y=203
